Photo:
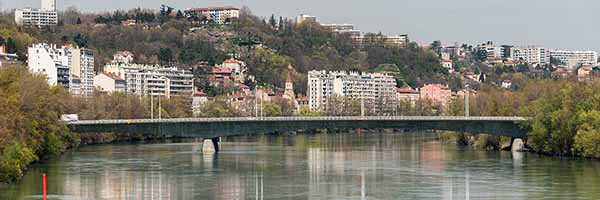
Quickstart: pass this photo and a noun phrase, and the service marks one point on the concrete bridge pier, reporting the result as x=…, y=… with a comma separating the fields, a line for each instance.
x=210, y=145
x=518, y=144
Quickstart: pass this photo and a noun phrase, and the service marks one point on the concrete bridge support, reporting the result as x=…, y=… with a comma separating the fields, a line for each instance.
x=210, y=145
x=517, y=144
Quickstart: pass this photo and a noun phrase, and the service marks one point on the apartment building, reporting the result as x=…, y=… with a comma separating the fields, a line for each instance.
x=532, y=55
x=383, y=39
x=67, y=66
x=220, y=15
x=368, y=86
x=574, y=59
x=46, y=16
x=49, y=60
x=146, y=80
x=81, y=65
x=439, y=94
x=305, y=18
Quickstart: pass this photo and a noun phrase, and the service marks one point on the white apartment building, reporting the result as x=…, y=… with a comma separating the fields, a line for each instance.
x=492, y=51
x=46, y=16
x=145, y=80
x=51, y=61
x=72, y=68
x=219, y=15
x=81, y=65
x=339, y=27
x=369, y=86
x=384, y=39
x=305, y=18
x=574, y=59
x=532, y=54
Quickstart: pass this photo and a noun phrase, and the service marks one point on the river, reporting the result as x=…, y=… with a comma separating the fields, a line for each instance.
x=322, y=166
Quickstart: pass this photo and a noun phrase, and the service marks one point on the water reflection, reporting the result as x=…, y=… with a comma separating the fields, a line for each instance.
x=328, y=166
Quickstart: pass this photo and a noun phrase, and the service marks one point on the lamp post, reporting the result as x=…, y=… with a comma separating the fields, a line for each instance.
x=467, y=94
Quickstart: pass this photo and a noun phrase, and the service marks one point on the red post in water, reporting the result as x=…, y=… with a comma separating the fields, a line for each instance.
x=43, y=186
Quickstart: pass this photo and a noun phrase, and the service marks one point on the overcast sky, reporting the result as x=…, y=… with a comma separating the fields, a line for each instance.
x=559, y=24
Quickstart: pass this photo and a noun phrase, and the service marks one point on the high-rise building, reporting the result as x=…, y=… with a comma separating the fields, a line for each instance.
x=46, y=16
x=574, y=59
x=367, y=86
x=81, y=65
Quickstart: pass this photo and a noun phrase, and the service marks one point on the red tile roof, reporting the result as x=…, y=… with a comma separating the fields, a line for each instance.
x=124, y=53
x=242, y=86
x=221, y=70
x=198, y=93
x=231, y=61
x=112, y=76
x=302, y=99
x=586, y=68
x=405, y=90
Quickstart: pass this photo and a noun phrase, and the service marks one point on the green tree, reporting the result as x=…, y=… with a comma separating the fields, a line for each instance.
x=11, y=46
x=272, y=21
x=166, y=56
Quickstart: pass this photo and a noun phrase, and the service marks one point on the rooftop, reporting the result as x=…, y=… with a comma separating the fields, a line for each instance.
x=112, y=76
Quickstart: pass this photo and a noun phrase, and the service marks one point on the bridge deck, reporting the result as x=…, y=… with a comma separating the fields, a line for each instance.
x=292, y=119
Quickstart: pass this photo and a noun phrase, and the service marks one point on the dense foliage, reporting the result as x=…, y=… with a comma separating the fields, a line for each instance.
x=29, y=121
x=565, y=119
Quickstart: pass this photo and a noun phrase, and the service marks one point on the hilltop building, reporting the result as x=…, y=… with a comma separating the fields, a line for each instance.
x=220, y=15
x=532, y=55
x=46, y=16
x=305, y=18
x=574, y=59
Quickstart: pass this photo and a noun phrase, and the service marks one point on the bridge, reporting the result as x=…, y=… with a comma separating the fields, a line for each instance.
x=212, y=128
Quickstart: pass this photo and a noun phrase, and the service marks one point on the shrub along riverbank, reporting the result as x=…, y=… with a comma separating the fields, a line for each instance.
x=29, y=121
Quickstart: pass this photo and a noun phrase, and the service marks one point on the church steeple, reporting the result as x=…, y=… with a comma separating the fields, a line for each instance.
x=289, y=85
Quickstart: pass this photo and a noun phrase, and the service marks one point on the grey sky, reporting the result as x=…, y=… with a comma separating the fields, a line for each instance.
x=561, y=24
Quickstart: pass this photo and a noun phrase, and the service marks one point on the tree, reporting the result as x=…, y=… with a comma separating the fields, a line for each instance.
x=78, y=20
x=272, y=21
x=81, y=40
x=165, y=56
x=281, y=25
x=11, y=46
x=436, y=46
x=179, y=15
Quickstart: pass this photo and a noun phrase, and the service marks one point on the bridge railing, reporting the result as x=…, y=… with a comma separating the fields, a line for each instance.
x=318, y=118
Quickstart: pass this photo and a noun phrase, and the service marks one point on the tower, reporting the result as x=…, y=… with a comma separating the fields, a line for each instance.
x=289, y=85
x=48, y=5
